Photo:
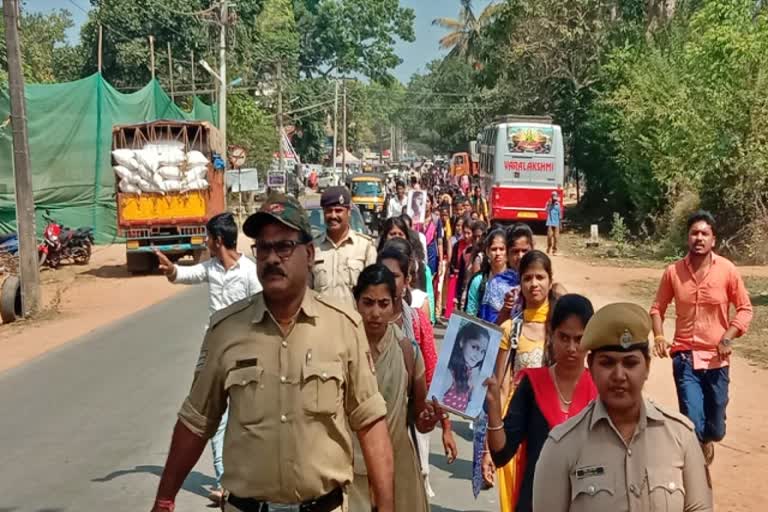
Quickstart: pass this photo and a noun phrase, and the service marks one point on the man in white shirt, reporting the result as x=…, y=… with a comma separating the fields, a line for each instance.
x=231, y=277
x=397, y=203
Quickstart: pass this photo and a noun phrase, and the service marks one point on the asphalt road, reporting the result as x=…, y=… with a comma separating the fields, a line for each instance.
x=87, y=427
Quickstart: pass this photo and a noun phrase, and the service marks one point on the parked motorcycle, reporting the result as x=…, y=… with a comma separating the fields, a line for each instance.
x=60, y=243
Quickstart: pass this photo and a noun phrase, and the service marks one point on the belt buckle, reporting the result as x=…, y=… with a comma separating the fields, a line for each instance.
x=282, y=507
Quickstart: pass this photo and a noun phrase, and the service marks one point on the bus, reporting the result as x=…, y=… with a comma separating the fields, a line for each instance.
x=522, y=161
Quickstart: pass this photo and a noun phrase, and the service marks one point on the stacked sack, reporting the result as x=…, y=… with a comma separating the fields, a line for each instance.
x=159, y=169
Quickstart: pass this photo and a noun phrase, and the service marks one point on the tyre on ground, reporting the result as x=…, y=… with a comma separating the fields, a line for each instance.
x=10, y=299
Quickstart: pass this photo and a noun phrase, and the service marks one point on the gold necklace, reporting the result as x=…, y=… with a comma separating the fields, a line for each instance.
x=557, y=388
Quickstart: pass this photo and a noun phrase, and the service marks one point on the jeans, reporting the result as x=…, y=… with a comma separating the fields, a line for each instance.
x=217, y=446
x=702, y=396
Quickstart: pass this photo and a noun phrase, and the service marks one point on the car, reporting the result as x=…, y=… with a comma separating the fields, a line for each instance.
x=317, y=220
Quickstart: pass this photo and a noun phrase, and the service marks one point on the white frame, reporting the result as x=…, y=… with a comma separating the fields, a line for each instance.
x=422, y=217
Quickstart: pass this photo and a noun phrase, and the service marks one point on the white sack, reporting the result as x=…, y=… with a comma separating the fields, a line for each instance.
x=124, y=157
x=169, y=172
x=129, y=188
x=172, y=157
x=195, y=158
x=196, y=185
x=171, y=186
x=196, y=173
x=123, y=172
x=148, y=158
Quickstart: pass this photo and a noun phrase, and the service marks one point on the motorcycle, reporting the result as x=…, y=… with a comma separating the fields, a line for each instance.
x=60, y=243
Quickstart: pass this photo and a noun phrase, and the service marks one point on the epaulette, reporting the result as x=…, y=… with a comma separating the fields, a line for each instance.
x=228, y=311
x=341, y=307
x=674, y=415
x=560, y=431
x=364, y=236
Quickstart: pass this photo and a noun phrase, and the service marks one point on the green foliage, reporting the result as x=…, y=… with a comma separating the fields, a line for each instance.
x=249, y=126
x=46, y=57
x=619, y=233
x=352, y=36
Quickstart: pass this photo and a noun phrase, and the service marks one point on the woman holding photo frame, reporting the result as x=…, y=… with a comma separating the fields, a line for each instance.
x=399, y=370
x=544, y=398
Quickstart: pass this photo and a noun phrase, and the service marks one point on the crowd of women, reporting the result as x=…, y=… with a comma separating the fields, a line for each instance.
x=455, y=261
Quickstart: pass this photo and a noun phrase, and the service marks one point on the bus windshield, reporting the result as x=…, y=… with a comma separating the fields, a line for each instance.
x=529, y=139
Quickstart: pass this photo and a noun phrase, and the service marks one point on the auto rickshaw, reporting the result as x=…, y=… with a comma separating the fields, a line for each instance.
x=369, y=193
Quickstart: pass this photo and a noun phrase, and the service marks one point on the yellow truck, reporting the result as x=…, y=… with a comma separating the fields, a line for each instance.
x=169, y=180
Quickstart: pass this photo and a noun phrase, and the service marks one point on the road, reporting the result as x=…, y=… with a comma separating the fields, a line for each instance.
x=87, y=427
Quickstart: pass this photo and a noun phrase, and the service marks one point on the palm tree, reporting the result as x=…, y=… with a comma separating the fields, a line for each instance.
x=464, y=32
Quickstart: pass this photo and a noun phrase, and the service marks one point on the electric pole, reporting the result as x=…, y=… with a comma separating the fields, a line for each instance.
x=223, y=21
x=170, y=72
x=344, y=133
x=281, y=155
x=335, y=125
x=152, y=55
x=25, y=201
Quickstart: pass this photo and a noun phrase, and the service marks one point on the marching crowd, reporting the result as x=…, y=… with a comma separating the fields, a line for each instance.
x=313, y=379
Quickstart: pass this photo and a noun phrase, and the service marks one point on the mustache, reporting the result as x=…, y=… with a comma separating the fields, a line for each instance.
x=274, y=270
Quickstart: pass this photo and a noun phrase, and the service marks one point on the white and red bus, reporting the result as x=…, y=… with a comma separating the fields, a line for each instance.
x=522, y=161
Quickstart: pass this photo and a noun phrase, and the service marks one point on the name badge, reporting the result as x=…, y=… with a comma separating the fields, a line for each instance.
x=589, y=471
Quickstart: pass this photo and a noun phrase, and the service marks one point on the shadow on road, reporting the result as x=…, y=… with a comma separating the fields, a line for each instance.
x=461, y=429
x=196, y=482
x=438, y=508
x=109, y=272
x=461, y=469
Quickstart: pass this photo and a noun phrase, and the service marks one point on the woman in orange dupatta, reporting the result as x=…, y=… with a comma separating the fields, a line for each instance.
x=544, y=398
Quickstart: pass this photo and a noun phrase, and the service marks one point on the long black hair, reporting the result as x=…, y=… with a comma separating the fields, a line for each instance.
x=392, y=222
x=374, y=275
x=570, y=304
x=456, y=364
x=531, y=258
x=398, y=249
x=485, y=269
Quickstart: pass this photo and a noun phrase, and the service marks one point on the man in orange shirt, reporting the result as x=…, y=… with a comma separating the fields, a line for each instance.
x=703, y=286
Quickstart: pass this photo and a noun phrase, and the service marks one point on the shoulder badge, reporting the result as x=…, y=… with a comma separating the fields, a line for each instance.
x=340, y=307
x=562, y=430
x=222, y=314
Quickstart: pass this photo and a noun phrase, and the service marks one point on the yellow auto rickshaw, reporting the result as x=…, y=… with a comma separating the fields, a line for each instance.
x=369, y=192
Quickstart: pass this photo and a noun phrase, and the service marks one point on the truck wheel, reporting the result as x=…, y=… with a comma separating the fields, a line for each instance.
x=140, y=262
x=10, y=299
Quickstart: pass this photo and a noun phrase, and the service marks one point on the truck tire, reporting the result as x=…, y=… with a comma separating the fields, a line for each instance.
x=140, y=262
x=10, y=300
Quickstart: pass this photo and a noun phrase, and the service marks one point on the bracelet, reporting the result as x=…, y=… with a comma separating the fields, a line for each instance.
x=493, y=429
x=168, y=505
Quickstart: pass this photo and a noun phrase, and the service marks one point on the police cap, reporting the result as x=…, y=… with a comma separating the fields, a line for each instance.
x=336, y=196
x=619, y=327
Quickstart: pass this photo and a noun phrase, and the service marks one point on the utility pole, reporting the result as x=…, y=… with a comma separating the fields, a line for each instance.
x=335, y=125
x=101, y=39
x=344, y=133
x=281, y=155
x=152, y=55
x=25, y=201
x=170, y=71
x=194, y=87
x=224, y=21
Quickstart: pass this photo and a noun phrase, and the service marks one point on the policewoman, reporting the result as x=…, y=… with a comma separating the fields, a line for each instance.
x=298, y=374
x=622, y=453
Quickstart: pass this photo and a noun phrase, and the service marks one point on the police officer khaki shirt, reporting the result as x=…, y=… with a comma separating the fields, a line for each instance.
x=585, y=465
x=337, y=266
x=292, y=399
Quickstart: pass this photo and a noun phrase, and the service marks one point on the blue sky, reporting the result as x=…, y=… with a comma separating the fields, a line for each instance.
x=415, y=55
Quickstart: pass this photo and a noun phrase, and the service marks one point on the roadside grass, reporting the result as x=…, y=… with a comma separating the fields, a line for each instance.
x=573, y=243
x=754, y=344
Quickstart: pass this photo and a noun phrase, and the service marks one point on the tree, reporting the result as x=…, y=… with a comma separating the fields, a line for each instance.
x=352, y=36
x=251, y=127
x=46, y=55
x=466, y=30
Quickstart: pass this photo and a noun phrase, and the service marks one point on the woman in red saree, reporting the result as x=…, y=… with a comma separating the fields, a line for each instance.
x=543, y=398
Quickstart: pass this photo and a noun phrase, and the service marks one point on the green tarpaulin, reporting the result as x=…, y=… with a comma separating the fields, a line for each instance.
x=70, y=138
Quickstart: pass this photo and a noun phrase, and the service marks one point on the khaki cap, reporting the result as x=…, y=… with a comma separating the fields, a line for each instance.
x=619, y=327
x=282, y=208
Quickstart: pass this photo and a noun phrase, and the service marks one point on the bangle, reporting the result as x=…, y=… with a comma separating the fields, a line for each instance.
x=493, y=429
x=168, y=505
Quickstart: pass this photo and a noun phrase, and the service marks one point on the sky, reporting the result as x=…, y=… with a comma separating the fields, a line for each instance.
x=415, y=55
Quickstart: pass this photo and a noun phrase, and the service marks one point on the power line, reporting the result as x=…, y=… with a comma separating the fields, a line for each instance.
x=108, y=27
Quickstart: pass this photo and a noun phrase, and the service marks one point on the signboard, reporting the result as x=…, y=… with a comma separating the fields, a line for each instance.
x=530, y=140
x=276, y=179
x=237, y=156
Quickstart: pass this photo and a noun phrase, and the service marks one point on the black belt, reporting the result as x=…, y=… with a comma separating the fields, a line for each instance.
x=327, y=503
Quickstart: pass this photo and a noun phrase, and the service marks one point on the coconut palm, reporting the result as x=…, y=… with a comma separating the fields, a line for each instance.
x=464, y=32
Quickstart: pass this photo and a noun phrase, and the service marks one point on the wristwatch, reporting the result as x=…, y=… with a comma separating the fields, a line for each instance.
x=726, y=342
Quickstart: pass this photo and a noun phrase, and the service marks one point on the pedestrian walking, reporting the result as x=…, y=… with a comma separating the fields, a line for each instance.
x=480, y=204
x=544, y=398
x=495, y=263
x=341, y=253
x=621, y=452
x=554, y=211
x=396, y=203
x=704, y=286
x=298, y=373
x=400, y=372
x=231, y=277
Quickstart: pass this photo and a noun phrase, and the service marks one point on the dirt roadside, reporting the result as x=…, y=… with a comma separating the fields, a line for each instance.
x=741, y=459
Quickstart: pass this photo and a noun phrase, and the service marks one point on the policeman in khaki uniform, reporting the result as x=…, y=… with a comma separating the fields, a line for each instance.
x=298, y=374
x=622, y=453
x=340, y=253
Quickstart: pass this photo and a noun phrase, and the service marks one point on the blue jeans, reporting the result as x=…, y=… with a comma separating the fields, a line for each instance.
x=217, y=446
x=702, y=396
